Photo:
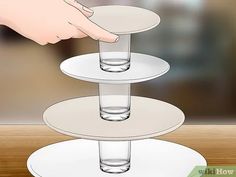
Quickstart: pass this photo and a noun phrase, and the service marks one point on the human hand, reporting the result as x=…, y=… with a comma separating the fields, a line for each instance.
x=50, y=21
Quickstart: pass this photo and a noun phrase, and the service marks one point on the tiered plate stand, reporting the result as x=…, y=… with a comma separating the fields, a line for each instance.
x=149, y=118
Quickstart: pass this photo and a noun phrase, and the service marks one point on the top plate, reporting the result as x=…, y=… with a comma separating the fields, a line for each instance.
x=124, y=19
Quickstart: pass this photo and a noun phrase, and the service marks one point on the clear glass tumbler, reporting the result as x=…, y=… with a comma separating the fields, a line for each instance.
x=115, y=57
x=114, y=101
x=114, y=156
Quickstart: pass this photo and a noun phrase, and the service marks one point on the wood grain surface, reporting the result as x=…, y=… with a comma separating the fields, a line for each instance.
x=216, y=142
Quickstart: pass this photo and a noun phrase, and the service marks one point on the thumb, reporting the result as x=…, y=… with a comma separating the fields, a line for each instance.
x=85, y=10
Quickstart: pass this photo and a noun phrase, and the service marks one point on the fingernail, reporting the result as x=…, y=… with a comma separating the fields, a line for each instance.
x=117, y=39
x=87, y=9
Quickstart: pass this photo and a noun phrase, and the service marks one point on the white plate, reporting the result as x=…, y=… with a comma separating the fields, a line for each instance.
x=79, y=158
x=142, y=68
x=124, y=19
x=80, y=118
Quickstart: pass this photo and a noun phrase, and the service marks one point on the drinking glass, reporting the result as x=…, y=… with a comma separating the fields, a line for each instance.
x=114, y=156
x=114, y=101
x=115, y=57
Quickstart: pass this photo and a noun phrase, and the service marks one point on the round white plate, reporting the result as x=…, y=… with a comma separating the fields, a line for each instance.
x=124, y=19
x=87, y=68
x=80, y=158
x=80, y=118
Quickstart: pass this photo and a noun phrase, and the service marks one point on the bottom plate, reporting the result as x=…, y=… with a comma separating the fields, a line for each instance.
x=80, y=158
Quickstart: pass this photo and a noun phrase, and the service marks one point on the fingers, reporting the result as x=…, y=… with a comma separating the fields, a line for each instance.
x=82, y=23
x=85, y=10
x=79, y=34
x=96, y=32
x=91, y=29
x=71, y=32
x=55, y=40
x=40, y=42
x=68, y=32
x=77, y=26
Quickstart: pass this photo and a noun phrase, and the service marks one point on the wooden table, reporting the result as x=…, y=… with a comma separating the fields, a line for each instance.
x=216, y=142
